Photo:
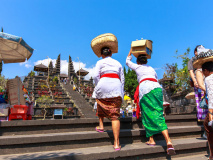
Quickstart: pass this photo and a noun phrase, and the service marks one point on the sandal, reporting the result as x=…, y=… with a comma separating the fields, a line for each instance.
x=117, y=149
x=147, y=143
x=170, y=150
x=99, y=130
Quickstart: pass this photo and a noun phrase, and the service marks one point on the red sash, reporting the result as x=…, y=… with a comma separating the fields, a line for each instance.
x=136, y=95
x=110, y=75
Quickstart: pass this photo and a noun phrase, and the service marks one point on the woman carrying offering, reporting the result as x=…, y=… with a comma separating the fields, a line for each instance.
x=109, y=90
x=199, y=87
x=150, y=101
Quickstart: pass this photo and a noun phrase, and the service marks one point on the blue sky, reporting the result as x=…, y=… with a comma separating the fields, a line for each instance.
x=67, y=27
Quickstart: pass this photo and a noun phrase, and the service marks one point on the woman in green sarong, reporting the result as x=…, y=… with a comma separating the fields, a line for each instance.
x=150, y=99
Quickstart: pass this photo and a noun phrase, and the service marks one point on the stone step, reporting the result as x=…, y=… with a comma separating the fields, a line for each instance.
x=85, y=108
x=71, y=140
x=75, y=125
x=128, y=151
x=201, y=156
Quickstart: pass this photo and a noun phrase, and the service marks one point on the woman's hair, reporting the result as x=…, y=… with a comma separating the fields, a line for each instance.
x=195, y=50
x=106, y=51
x=208, y=66
x=142, y=59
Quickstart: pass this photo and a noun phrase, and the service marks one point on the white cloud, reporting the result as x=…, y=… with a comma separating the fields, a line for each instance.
x=90, y=74
x=64, y=66
x=157, y=69
x=26, y=64
x=45, y=62
x=77, y=66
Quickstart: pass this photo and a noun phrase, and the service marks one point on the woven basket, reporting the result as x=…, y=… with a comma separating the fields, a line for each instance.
x=198, y=63
x=104, y=40
x=190, y=95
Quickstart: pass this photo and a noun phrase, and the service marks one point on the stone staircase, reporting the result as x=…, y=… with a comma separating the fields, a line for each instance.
x=38, y=86
x=77, y=139
x=84, y=107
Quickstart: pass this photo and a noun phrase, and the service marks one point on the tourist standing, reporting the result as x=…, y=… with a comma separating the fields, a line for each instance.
x=129, y=110
x=65, y=81
x=122, y=113
x=109, y=90
x=150, y=100
x=133, y=111
x=197, y=77
x=207, y=69
x=95, y=107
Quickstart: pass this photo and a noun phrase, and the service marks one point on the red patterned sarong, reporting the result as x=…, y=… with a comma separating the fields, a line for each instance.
x=109, y=108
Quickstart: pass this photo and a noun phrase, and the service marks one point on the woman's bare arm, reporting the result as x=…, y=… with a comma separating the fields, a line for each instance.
x=199, y=77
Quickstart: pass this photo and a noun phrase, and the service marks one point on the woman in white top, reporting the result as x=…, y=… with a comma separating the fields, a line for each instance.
x=207, y=69
x=150, y=100
x=109, y=92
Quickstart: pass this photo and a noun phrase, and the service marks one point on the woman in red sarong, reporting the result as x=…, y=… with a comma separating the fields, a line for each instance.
x=109, y=91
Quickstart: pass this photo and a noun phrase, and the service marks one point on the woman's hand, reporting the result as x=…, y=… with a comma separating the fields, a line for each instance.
x=210, y=115
x=196, y=84
x=130, y=52
x=210, y=123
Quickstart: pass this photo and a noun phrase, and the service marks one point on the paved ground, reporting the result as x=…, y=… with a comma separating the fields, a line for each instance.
x=196, y=157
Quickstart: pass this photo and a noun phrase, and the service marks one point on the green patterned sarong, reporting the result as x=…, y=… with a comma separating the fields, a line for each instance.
x=152, y=112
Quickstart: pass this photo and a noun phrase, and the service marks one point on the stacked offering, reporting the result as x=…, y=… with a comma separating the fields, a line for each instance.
x=104, y=40
x=204, y=55
x=190, y=95
x=16, y=94
x=142, y=47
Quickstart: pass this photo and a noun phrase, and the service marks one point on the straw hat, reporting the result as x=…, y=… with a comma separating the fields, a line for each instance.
x=198, y=63
x=104, y=40
x=190, y=95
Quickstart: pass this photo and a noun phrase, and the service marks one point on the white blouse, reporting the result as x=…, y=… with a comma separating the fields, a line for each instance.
x=209, y=87
x=108, y=87
x=143, y=71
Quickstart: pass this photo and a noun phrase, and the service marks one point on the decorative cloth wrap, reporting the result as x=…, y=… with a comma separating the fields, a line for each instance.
x=109, y=108
x=110, y=75
x=136, y=95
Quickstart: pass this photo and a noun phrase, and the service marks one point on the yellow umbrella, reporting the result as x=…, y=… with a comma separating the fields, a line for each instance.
x=127, y=98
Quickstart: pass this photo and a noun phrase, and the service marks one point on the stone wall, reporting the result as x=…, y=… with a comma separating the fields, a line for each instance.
x=179, y=104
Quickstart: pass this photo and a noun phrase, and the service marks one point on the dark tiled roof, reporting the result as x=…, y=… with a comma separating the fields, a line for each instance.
x=64, y=75
x=41, y=67
x=82, y=72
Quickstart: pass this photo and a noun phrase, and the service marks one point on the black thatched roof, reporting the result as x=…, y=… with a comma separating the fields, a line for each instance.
x=63, y=75
x=41, y=68
x=82, y=72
